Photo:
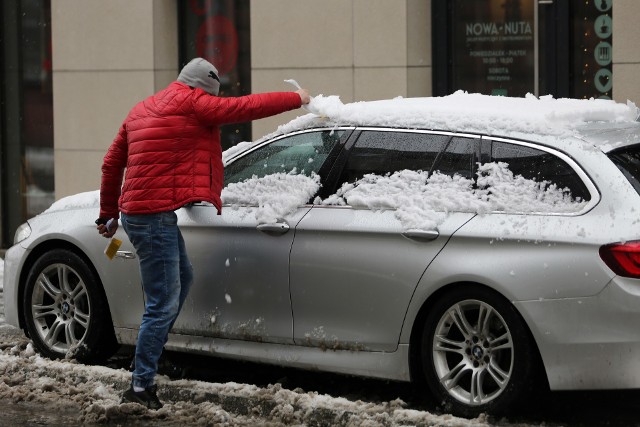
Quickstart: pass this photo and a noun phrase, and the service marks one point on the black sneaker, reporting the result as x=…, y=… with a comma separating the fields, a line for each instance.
x=145, y=397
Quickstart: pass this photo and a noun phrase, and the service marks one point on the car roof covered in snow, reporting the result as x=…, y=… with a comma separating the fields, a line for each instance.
x=543, y=119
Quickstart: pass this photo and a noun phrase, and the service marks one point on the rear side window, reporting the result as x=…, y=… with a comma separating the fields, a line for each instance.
x=380, y=153
x=540, y=166
x=628, y=161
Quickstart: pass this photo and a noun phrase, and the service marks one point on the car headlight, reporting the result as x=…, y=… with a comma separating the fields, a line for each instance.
x=23, y=232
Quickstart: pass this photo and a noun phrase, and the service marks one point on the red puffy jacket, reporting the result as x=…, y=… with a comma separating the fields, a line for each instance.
x=170, y=146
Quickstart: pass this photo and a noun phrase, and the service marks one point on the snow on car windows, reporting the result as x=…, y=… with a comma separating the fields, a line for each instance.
x=421, y=201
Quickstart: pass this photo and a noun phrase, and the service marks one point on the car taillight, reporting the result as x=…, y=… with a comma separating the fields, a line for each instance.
x=622, y=258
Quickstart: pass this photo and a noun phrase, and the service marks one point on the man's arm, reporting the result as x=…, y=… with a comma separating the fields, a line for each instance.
x=113, y=167
x=217, y=111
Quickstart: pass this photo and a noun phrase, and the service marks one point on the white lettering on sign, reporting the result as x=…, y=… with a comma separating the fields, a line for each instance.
x=498, y=70
x=492, y=29
x=515, y=28
x=482, y=29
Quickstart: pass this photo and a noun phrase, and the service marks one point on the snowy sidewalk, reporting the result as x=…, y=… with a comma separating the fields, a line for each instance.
x=92, y=395
x=94, y=391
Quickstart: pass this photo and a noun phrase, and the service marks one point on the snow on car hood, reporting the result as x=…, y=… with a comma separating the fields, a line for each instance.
x=89, y=199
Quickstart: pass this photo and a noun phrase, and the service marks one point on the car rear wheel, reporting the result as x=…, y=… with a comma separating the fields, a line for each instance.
x=65, y=309
x=477, y=355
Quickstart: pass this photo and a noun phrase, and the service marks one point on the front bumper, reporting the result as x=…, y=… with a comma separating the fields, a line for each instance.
x=13, y=261
x=589, y=343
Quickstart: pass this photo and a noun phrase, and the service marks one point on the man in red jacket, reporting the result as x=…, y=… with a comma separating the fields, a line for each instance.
x=169, y=145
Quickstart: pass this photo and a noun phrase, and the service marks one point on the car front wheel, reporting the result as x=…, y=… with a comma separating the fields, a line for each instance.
x=65, y=309
x=476, y=353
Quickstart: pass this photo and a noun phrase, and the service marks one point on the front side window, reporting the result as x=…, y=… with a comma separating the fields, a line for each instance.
x=301, y=154
x=279, y=177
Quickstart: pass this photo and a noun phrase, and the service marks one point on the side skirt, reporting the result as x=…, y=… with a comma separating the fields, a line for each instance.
x=384, y=365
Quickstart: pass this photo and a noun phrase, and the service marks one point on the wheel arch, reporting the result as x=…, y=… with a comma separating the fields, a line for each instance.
x=415, y=340
x=35, y=254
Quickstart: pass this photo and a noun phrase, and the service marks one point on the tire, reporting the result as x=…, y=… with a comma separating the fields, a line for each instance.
x=476, y=353
x=65, y=309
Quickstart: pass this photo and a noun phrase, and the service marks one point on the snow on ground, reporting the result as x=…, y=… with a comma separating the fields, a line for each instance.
x=95, y=392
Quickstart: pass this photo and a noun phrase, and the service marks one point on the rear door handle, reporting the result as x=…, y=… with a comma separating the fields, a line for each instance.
x=274, y=228
x=421, y=234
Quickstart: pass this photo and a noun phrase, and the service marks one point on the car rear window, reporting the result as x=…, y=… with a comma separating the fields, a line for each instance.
x=628, y=161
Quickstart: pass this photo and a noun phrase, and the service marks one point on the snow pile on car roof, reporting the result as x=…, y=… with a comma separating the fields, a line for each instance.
x=462, y=111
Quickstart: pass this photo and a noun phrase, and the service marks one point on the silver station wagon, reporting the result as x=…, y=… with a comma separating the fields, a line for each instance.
x=479, y=246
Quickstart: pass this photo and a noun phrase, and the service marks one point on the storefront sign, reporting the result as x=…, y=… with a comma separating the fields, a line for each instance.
x=493, y=47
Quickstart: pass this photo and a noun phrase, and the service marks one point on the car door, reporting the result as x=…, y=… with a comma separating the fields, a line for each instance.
x=241, y=257
x=536, y=236
x=354, y=267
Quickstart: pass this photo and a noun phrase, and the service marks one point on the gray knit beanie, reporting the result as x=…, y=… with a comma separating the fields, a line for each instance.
x=202, y=74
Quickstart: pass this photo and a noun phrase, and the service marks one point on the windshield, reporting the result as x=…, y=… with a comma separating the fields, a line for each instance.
x=628, y=161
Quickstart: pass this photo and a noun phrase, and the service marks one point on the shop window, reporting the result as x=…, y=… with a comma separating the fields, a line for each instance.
x=26, y=99
x=219, y=31
x=515, y=47
x=592, y=50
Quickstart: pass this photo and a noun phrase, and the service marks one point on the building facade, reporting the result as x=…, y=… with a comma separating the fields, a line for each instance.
x=72, y=69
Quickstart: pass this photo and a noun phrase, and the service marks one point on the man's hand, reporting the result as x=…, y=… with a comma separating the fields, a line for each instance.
x=304, y=96
x=107, y=228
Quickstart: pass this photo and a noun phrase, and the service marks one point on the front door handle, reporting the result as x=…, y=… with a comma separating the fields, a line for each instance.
x=274, y=228
x=125, y=255
x=421, y=234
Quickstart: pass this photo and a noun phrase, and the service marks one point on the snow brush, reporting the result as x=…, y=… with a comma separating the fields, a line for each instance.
x=308, y=106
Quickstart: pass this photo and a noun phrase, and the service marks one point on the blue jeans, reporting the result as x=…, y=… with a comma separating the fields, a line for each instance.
x=166, y=278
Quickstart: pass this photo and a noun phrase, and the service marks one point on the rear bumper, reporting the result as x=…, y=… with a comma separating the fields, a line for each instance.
x=589, y=343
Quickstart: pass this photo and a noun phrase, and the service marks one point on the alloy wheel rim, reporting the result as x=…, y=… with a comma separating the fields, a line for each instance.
x=473, y=352
x=60, y=308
